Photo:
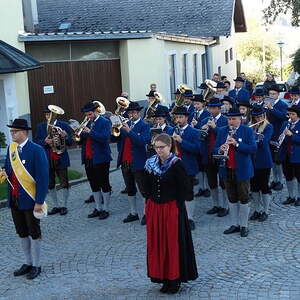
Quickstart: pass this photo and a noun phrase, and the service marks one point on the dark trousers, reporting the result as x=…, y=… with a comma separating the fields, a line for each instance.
x=26, y=224
x=212, y=171
x=291, y=170
x=190, y=190
x=131, y=178
x=98, y=176
x=275, y=155
x=260, y=181
x=236, y=191
x=62, y=174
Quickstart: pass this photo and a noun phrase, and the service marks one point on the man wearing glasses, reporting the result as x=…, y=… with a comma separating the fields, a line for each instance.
x=26, y=170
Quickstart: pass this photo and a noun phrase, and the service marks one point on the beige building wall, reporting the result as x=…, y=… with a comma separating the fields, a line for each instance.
x=146, y=61
x=218, y=56
x=11, y=22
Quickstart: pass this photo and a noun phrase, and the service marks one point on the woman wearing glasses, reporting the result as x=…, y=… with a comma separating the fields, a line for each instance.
x=170, y=251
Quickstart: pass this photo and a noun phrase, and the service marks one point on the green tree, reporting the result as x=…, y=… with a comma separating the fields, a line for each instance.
x=296, y=61
x=278, y=7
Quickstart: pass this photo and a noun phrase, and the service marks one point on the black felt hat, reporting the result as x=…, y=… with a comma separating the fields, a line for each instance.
x=90, y=106
x=19, y=124
x=234, y=112
x=181, y=110
x=134, y=106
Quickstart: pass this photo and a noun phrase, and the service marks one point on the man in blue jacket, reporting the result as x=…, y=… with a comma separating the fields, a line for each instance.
x=295, y=95
x=211, y=126
x=135, y=135
x=27, y=193
x=96, y=157
x=276, y=114
x=188, y=149
x=289, y=154
x=239, y=93
x=58, y=163
x=237, y=142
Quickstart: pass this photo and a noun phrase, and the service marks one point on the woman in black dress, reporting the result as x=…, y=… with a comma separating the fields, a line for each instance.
x=170, y=251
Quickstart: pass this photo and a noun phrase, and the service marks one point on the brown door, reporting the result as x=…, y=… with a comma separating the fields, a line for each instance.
x=74, y=83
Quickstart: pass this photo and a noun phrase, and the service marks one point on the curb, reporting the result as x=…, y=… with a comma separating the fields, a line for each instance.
x=3, y=203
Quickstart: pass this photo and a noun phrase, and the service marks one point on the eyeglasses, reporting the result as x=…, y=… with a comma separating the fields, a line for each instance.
x=160, y=147
x=15, y=131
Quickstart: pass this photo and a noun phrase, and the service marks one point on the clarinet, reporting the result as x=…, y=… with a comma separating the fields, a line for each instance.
x=281, y=138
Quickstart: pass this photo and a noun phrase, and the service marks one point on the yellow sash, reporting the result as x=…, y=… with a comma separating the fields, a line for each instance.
x=23, y=176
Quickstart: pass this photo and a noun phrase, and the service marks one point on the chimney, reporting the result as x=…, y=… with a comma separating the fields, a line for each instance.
x=30, y=14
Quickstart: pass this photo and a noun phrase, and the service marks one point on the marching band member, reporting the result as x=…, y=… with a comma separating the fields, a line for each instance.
x=262, y=162
x=188, y=103
x=96, y=157
x=276, y=114
x=239, y=93
x=200, y=114
x=26, y=167
x=58, y=163
x=227, y=103
x=238, y=141
x=211, y=125
x=188, y=146
x=259, y=96
x=170, y=251
x=220, y=90
x=135, y=135
x=295, y=95
x=289, y=154
x=244, y=108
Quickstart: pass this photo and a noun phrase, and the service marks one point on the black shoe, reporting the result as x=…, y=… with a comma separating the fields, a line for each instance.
x=244, y=231
x=297, y=202
x=103, y=215
x=263, y=217
x=206, y=193
x=23, y=270
x=213, y=210
x=54, y=210
x=164, y=289
x=288, y=201
x=94, y=214
x=200, y=193
x=192, y=225
x=223, y=212
x=173, y=288
x=232, y=229
x=143, y=221
x=63, y=211
x=34, y=272
x=278, y=186
x=195, y=181
x=90, y=200
x=131, y=218
x=124, y=191
x=255, y=216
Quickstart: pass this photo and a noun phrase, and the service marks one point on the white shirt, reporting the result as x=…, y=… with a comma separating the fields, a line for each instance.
x=20, y=146
x=163, y=126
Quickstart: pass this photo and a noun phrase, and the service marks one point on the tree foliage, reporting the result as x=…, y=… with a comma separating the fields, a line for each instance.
x=278, y=7
x=296, y=61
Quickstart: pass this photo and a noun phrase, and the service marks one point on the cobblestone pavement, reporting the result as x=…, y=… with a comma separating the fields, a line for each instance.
x=91, y=259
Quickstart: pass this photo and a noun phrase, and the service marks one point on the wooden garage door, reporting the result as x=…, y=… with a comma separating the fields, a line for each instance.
x=74, y=84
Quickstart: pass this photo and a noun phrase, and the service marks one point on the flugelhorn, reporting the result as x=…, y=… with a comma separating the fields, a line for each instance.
x=117, y=120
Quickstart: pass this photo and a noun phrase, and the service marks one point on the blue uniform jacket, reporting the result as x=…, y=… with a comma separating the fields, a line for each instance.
x=190, y=149
x=276, y=117
x=262, y=159
x=169, y=130
x=243, y=154
x=41, y=134
x=35, y=161
x=243, y=95
x=205, y=114
x=295, y=138
x=140, y=137
x=100, y=134
x=221, y=122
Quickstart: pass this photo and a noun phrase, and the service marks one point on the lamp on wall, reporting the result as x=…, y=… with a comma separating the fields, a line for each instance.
x=280, y=45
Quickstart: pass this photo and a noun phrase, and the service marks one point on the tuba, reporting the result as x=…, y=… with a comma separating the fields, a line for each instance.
x=182, y=88
x=150, y=112
x=117, y=119
x=54, y=132
x=212, y=88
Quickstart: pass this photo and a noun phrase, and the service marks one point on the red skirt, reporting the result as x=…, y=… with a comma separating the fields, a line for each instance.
x=163, y=240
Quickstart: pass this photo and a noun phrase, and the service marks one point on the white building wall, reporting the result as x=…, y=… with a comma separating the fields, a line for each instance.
x=15, y=97
x=218, y=56
x=146, y=61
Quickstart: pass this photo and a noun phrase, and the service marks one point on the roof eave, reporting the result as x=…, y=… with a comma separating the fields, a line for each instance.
x=185, y=39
